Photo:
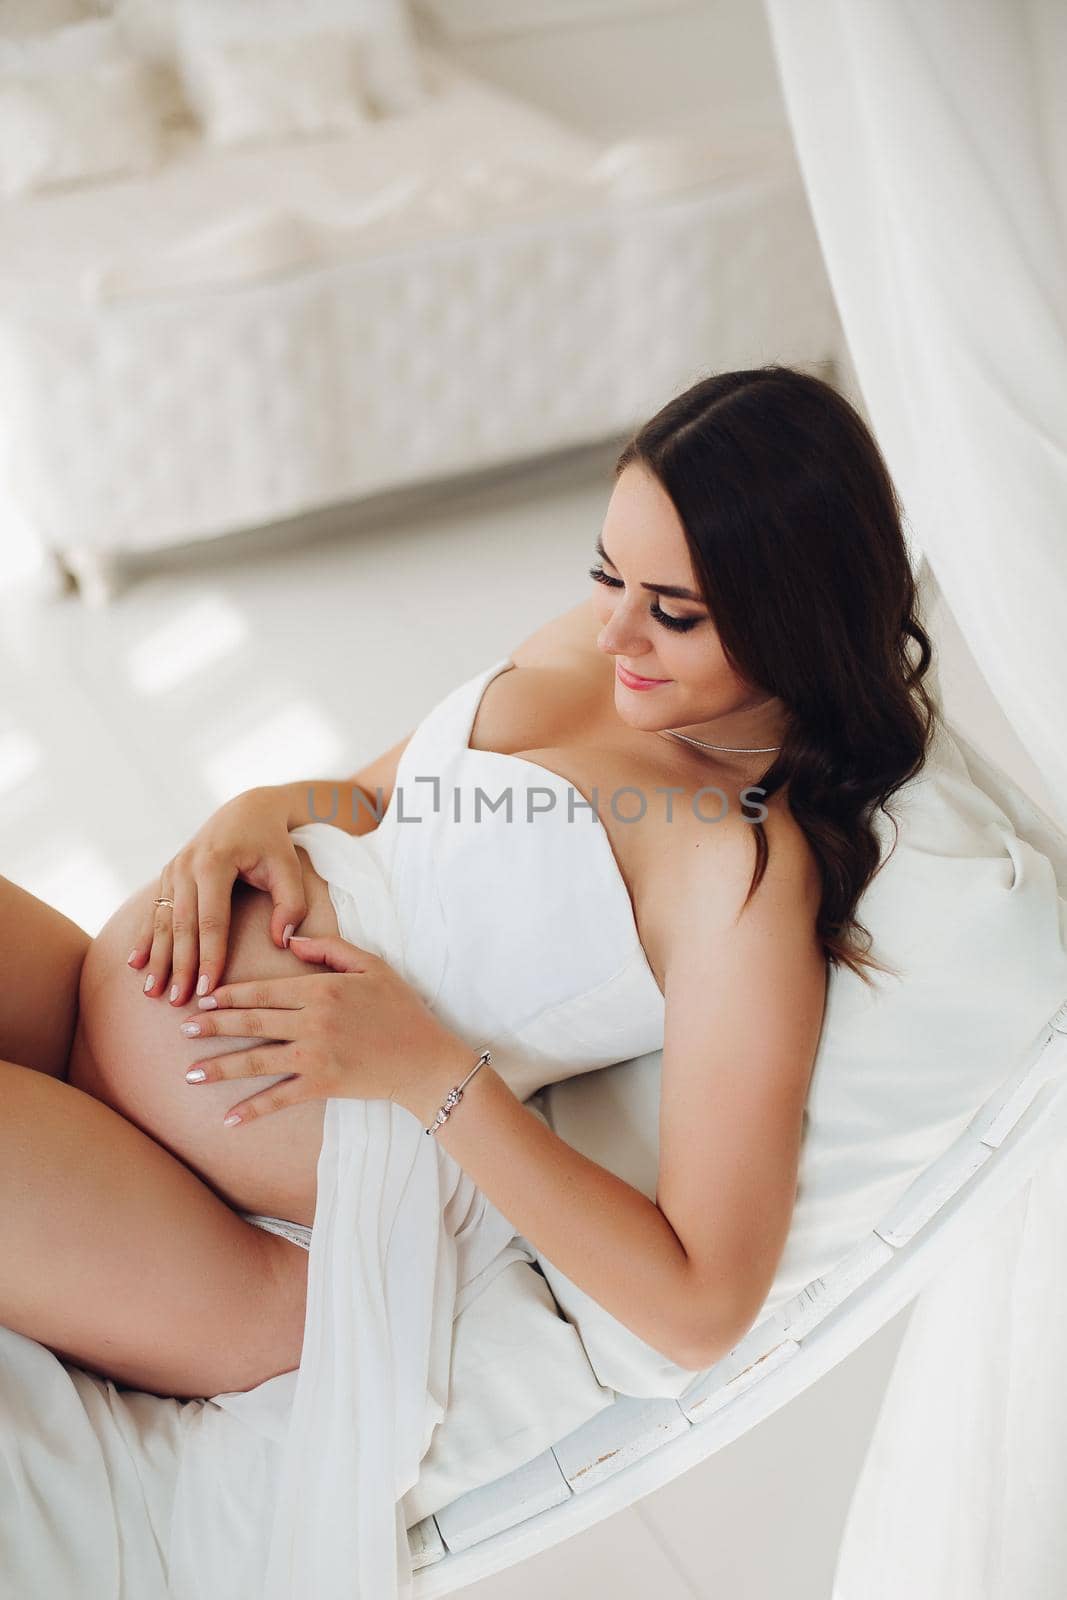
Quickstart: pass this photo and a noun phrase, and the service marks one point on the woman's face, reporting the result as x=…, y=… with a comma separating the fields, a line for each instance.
x=655, y=634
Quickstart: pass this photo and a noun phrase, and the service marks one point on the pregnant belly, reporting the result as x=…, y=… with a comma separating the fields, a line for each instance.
x=127, y=1051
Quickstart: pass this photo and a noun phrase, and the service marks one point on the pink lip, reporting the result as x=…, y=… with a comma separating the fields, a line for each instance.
x=631, y=681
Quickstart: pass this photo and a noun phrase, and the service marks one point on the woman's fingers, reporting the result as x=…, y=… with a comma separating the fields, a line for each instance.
x=162, y=942
x=242, y=1024
x=146, y=932
x=184, y=937
x=260, y=994
x=215, y=893
x=262, y=1061
x=182, y=948
x=287, y=1092
x=200, y=947
x=286, y=886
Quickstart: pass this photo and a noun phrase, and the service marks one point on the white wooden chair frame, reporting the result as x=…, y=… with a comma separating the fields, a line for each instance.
x=635, y=1446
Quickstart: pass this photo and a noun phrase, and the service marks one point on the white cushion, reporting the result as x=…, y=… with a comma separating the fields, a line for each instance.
x=970, y=906
x=74, y=105
x=520, y=1381
x=149, y=31
x=20, y=19
x=269, y=70
x=392, y=65
x=263, y=69
x=150, y=26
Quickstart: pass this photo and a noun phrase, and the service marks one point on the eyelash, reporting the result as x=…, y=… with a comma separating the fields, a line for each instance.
x=678, y=624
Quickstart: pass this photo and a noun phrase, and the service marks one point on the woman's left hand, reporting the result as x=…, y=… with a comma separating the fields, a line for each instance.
x=358, y=1032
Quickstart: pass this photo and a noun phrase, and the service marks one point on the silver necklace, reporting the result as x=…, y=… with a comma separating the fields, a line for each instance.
x=736, y=749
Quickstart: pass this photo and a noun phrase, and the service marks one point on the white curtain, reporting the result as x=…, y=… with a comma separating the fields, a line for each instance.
x=932, y=137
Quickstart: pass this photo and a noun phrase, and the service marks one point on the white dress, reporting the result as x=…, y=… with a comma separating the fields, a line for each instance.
x=519, y=931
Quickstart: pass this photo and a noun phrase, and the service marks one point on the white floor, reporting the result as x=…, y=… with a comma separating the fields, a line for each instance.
x=303, y=651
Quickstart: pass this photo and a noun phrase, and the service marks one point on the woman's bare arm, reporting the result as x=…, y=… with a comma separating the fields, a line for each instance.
x=745, y=995
x=688, y=1272
x=356, y=804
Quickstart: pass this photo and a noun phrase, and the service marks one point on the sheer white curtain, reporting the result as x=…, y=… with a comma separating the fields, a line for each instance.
x=932, y=135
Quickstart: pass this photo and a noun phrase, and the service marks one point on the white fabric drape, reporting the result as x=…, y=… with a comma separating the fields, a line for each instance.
x=403, y=1241
x=932, y=137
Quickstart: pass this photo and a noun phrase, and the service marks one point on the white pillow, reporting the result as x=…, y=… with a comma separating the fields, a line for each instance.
x=970, y=906
x=149, y=29
x=21, y=19
x=520, y=1381
x=149, y=26
x=392, y=67
x=270, y=69
x=74, y=105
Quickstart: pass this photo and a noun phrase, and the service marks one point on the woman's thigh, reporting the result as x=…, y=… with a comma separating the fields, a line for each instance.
x=129, y=1053
x=41, y=955
x=118, y=1258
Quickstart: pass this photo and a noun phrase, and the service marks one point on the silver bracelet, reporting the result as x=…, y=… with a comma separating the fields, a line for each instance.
x=454, y=1096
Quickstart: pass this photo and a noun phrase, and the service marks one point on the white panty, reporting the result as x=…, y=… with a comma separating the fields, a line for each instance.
x=295, y=1231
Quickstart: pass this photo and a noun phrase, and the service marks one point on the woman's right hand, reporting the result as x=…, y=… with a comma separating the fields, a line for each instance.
x=247, y=838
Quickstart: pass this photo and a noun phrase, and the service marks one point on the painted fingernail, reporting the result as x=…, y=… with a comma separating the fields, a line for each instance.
x=190, y=1029
x=228, y=1122
x=132, y=957
x=173, y=993
x=209, y=1004
x=290, y=928
x=201, y=987
x=149, y=983
x=195, y=1075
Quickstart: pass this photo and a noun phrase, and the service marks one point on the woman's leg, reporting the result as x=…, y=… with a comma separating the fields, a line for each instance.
x=41, y=955
x=121, y=1260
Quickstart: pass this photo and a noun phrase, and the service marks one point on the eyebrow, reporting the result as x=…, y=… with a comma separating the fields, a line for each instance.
x=670, y=589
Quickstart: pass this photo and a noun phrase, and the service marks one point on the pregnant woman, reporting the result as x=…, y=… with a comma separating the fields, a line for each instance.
x=690, y=757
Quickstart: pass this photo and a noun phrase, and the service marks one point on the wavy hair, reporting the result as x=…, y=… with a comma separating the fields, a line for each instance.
x=795, y=532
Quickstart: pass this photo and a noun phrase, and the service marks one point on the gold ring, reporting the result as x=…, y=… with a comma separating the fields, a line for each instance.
x=164, y=903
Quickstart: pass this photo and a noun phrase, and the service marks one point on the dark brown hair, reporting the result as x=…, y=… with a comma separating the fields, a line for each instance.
x=794, y=529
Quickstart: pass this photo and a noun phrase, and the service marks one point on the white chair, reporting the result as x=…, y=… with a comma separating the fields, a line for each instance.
x=635, y=1446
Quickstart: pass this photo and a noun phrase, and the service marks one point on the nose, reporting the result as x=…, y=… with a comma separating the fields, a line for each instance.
x=620, y=636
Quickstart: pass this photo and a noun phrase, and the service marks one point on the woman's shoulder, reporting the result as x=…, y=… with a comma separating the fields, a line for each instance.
x=792, y=868
x=566, y=641
x=557, y=695
x=712, y=873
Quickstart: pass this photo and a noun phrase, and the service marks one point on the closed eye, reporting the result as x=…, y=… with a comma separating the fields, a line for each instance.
x=678, y=624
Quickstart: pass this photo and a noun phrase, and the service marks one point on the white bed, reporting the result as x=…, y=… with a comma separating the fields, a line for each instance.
x=245, y=335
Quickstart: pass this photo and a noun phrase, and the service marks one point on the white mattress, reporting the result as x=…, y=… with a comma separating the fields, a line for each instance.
x=219, y=215
x=58, y=236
